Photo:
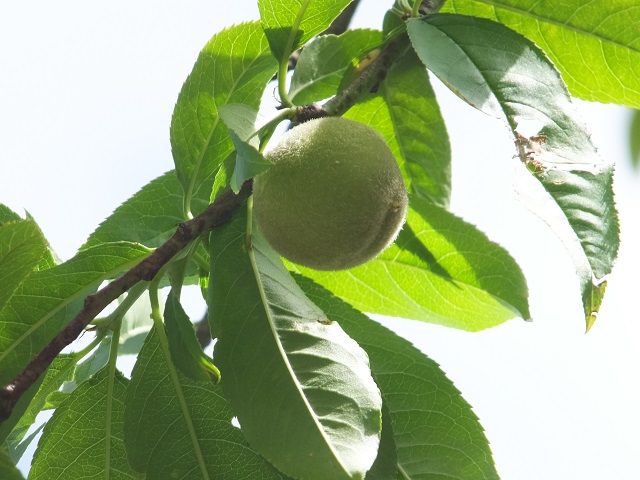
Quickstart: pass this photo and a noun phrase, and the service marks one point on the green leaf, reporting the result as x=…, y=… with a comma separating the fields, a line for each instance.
x=323, y=63
x=89, y=428
x=223, y=177
x=27, y=325
x=241, y=121
x=298, y=359
x=437, y=435
x=406, y=113
x=634, y=139
x=18, y=453
x=49, y=258
x=83, y=371
x=150, y=216
x=6, y=426
x=135, y=327
x=8, y=215
x=21, y=248
x=57, y=373
x=594, y=44
x=288, y=24
x=249, y=162
x=234, y=67
x=189, y=421
x=386, y=465
x=90, y=365
x=8, y=471
x=440, y=270
x=592, y=296
x=186, y=353
x=505, y=75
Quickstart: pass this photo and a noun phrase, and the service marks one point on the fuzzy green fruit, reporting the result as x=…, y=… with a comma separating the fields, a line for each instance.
x=334, y=197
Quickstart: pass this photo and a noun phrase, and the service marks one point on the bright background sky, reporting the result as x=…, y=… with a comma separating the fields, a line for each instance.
x=86, y=95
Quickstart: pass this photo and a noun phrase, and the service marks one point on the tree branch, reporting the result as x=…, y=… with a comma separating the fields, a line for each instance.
x=368, y=80
x=216, y=214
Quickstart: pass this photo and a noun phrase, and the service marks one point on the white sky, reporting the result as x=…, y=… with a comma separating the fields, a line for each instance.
x=86, y=95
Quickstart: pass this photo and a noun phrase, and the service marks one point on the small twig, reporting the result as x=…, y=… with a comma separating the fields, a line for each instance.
x=216, y=214
x=368, y=79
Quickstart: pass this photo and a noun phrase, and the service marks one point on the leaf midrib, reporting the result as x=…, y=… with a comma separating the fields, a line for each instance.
x=184, y=407
x=283, y=354
x=453, y=280
x=507, y=117
x=200, y=157
x=111, y=373
x=25, y=242
x=13, y=247
x=294, y=28
x=544, y=19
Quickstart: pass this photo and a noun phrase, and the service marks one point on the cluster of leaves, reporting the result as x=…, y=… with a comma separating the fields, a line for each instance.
x=319, y=391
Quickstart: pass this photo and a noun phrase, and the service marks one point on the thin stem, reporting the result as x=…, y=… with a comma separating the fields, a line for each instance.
x=111, y=321
x=156, y=314
x=284, y=61
x=284, y=114
x=201, y=262
x=416, y=8
x=282, y=83
x=158, y=323
x=216, y=214
x=111, y=366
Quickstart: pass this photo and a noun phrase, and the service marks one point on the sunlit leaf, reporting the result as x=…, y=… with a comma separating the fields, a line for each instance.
x=436, y=433
x=84, y=438
x=405, y=112
x=440, y=270
x=241, y=120
x=150, y=216
x=59, y=372
x=21, y=248
x=190, y=423
x=290, y=23
x=26, y=326
x=322, y=417
x=234, y=67
x=323, y=63
x=8, y=215
x=505, y=75
x=594, y=44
